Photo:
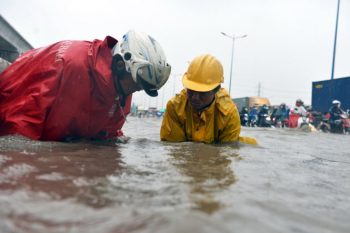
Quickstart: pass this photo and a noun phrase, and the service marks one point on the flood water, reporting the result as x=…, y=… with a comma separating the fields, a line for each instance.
x=293, y=181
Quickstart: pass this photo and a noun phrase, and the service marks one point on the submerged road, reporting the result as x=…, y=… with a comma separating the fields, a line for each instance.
x=292, y=182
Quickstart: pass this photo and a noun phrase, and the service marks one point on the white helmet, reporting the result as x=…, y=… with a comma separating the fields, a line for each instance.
x=145, y=60
x=334, y=102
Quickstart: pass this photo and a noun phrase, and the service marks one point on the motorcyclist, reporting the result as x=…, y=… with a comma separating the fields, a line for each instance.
x=244, y=116
x=299, y=108
x=297, y=115
x=262, y=116
x=253, y=116
x=273, y=115
x=335, y=116
x=335, y=111
x=282, y=114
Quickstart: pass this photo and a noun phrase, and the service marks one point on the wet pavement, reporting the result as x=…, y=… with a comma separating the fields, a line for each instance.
x=293, y=181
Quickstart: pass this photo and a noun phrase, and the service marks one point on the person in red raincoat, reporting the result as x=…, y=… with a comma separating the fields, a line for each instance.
x=79, y=89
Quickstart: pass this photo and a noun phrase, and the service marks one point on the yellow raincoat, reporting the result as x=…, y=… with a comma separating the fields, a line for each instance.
x=219, y=123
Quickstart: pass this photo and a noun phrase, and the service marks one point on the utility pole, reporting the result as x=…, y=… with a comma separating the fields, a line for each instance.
x=259, y=89
x=335, y=41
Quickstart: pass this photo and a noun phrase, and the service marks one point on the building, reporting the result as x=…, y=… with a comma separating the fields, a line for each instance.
x=12, y=44
x=250, y=102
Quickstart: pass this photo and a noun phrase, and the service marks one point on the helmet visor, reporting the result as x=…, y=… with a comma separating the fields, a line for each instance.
x=145, y=74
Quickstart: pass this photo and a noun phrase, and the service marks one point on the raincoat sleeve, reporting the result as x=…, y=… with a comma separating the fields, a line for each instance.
x=172, y=129
x=231, y=131
x=231, y=128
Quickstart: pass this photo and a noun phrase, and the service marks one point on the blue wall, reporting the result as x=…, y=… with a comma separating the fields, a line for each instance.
x=324, y=92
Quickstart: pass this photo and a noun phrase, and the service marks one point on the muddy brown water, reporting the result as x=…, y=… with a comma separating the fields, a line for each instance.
x=293, y=181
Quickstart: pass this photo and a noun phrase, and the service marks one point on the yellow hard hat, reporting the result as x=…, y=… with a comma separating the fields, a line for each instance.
x=203, y=74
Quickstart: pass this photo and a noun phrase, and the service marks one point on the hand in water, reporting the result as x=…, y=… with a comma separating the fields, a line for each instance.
x=122, y=139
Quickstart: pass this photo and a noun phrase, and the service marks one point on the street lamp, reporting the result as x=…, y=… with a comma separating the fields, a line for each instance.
x=233, y=38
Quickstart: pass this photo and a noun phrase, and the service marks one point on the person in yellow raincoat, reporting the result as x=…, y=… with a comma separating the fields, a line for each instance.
x=203, y=111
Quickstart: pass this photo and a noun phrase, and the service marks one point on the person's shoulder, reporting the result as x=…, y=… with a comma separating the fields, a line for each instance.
x=177, y=105
x=224, y=103
x=178, y=100
x=109, y=41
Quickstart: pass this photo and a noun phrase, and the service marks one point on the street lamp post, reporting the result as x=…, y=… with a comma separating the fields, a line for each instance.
x=335, y=41
x=233, y=38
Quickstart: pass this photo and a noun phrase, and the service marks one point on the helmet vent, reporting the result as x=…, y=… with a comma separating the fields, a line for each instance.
x=127, y=56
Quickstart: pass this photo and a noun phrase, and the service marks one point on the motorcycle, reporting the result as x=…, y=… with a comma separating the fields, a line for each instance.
x=253, y=121
x=281, y=122
x=303, y=121
x=305, y=124
x=345, y=123
x=324, y=126
x=341, y=125
x=264, y=120
x=244, y=119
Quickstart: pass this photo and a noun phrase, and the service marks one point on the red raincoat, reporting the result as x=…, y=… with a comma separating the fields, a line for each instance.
x=63, y=90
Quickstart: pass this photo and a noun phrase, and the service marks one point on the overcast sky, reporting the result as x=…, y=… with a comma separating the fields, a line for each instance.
x=289, y=43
